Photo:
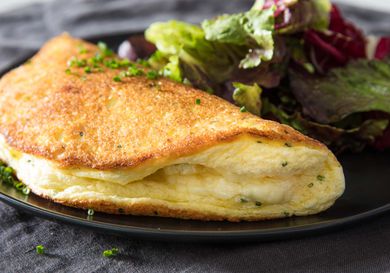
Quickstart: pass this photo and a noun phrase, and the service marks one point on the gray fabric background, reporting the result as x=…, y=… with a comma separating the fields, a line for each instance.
x=363, y=248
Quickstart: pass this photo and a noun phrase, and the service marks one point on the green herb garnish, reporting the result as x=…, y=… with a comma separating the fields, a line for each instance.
x=134, y=71
x=87, y=69
x=7, y=175
x=320, y=177
x=117, y=79
x=40, y=249
x=91, y=212
x=81, y=63
x=105, y=51
x=287, y=144
x=110, y=252
x=143, y=62
x=82, y=49
x=258, y=203
x=243, y=109
x=284, y=164
x=310, y=185
x=151, y=75
x=197, y=101
x=26, y=191
x=243, y=200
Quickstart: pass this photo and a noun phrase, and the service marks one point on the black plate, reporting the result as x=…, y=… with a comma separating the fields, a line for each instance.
x=367, y=195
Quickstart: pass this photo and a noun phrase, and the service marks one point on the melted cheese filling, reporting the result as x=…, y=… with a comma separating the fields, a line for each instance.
x=243, y=174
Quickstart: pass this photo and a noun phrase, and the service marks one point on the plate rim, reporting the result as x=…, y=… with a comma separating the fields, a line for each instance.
x=201, y=236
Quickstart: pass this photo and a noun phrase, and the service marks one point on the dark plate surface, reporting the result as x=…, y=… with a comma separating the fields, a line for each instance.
x=367, y=195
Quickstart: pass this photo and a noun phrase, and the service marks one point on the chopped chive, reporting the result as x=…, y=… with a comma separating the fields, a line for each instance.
x=259, y=141
x=105, y=51
x=143, y=62
x=197, y=101
x=258, y=204
x=284, y=164
x=67, y=71
x=320, y=177
x=134, y=71
x=124, y=63
x=110, y=252
x=40, y=249
x=117, y=79
x=243, y=109
x=87, y=69
x=26, y=191
x=243, y=200
x=81, y=63
x=285, y=213
x=19, y=186
x=119, y=146
x=287, y=144
x=91, y=212
x=114, y=251
x=81, y=134
x=151, y=75
x=82, y=49
x=310, y=185
x=8, y=171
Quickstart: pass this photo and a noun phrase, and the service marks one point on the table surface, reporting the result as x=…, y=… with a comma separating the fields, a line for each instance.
x=361, y=248
x=373, y=4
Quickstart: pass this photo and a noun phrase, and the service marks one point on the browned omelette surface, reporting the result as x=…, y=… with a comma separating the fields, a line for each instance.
x=95, y=122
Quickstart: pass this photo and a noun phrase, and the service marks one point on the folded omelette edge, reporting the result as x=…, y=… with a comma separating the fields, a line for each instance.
x=144, y=147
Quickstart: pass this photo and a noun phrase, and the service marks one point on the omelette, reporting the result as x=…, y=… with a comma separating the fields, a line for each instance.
x=98, y=138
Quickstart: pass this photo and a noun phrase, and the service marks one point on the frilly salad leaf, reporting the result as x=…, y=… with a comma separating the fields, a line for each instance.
x=339, y=139
x=210, y=56
x=252, y=30
x=248, y=96
x=361, y=86
x=292, y=16
x=335, y=46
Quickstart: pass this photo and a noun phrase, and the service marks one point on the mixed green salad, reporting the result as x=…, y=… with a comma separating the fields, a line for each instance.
x=295, y=61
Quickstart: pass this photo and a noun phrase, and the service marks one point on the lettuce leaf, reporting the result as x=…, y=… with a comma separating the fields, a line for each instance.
x=210, y=56
x=339, y=139
x=361, y=86
x=292, y=16
x=335, y=46
x=252, y=30
x=192, y=50
x=248, y=96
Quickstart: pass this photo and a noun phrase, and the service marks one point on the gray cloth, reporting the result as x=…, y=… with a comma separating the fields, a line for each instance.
x=363, y=248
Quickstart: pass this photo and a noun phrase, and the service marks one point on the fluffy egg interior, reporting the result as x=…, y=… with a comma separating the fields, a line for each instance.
x=246, y=177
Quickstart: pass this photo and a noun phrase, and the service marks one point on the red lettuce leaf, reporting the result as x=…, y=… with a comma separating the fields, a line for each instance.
x=382, y=48
x=336, y=46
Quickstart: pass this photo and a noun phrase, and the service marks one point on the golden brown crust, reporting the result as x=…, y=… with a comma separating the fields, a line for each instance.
x=103, y=124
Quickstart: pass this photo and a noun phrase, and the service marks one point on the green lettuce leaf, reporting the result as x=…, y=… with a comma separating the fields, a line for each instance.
x=211, y=56
x=248, y=96
x=252, y=30
x=361, y=86
x=182, y=46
